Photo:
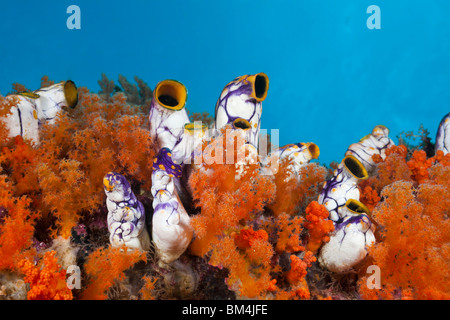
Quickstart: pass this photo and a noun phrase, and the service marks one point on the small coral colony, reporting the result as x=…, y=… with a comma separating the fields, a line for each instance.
x=109, y=196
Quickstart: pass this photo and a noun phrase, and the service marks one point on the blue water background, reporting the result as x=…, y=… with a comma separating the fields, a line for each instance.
x=331, y=78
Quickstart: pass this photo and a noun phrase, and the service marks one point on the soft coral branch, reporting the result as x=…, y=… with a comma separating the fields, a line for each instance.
x=17, y=227
x=66, y=193
x=298, y=271
x=318, y=225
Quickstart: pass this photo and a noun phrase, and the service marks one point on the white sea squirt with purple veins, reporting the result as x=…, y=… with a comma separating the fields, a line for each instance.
x=443, y=135
x=349, y=241
x=38, y=107
x=171, y=229
x=342, y=187
x=126, y=215
x=375, y=143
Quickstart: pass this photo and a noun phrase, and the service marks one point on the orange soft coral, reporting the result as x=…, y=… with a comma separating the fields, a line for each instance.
x=414, y=205
x=413, y=251
x=17, y=227
x=227, y=205
x=297, y=286
x=248, y=276
x=419, y=165
x=288, y=231
x=63, y=175
x=294, y=194
x=112, y=137
x=395, y=168
x=288, y=193
x=400, y=150
x=247, y=237
x=47, y=280
x=106, y=265
x=442, y=158
x=57, y=183
x=19, y=159
x=318, y=225
x=298, y=272
x=66, y=194
x=46, y=82
x=255, y=244
x=392, y=168
x=440, y=172
x=225, y=201
x=301, y=291
x=368, y=195
x=147, y=291
x=18, y=87
x=260, y=251
x=230, y=210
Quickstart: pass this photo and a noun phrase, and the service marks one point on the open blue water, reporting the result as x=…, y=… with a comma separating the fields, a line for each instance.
x=331, y=78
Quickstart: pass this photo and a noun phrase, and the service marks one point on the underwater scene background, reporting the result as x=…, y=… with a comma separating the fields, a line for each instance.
x=100, y=199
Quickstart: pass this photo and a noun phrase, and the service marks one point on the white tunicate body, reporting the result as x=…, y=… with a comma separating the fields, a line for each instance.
x=126, y=216
x=22, y=120
x=50, y=102
x=443, y=135
x=375, y=143
x=167, y=126
x=342, y=187
x=347, y=245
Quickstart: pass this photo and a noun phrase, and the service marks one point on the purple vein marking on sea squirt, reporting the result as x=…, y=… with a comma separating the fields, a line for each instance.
x=171, y=205
x=341, y=225
x=243, y=89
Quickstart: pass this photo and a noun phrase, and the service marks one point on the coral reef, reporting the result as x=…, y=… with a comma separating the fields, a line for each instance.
x=152, y=202
x=52, y=189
